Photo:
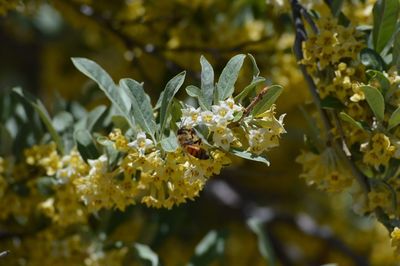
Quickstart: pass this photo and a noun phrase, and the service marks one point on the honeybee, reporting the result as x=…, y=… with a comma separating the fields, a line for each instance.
x=191, y=143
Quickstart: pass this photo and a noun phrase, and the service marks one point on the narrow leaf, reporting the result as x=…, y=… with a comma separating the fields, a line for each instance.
x=95, y=72
x=385, y=14
x=195, y=92
x=210, y=248
x=207, y=82
x=336, y=7
x=394, y=119
x=375, y=101
x=145, y=253
x=249, y=156
x=86, y=145
x=349, y=119
x=94, y=116
x=256, y=70
x=264, y=245
x=141, y=105
x=228, y=77
x=6, y=141
x=169, y=92
x=249, y=88
x=43, y=114
x=268, y=99
x=62, y=121
x=396, y=52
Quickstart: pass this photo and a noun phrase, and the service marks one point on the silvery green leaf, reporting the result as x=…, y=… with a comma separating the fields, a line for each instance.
x=207, y=82
x=95, y=72
x=169, y=92
x=267, y=100
x=228, y=77
x=141, y=105
x=145, y=253
x=86, y=145
x=43, y=114
x=249, y=156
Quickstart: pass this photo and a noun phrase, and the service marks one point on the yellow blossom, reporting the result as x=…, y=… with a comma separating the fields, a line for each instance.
x=378, y=151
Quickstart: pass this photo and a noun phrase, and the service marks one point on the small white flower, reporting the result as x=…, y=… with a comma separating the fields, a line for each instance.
x=222, y=113
x=141, y=144
x=208, y=118
x=190, y=116
x=262, y=139
x=230, y=104
x=222, y=136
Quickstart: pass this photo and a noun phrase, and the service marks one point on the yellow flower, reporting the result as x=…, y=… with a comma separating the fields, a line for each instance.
x=378, y=151
x=324, y=170
x=395, y=239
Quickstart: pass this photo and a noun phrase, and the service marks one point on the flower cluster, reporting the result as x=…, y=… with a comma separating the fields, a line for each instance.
x=217, y=120
x=325, y=171
x=361, y=153
x=330, y=45
x=261, y=131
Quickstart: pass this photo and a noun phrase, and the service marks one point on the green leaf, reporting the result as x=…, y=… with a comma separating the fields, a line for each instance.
x=256, y=70
x=141, y=105
x=145, y=253
x=158, y=104
x=267, y=100
x=375, y=101
x=94, y=116
x=371, y=59
x=62, y=121
x=264, y=245
x=86, y=145
x=249, y=88
x=195, y=92
x=336, y=7
x=385, y=14
x=44, y=116
x=207, y=82
x=95, y=72
x=249, y=156
x=382, y=79
x=396, y=52
x=331, y=102
x=169, y=92
x=120, y=122
x=169, y=144
x=176, y=114
x=6, y=141
x=394, y=119
x=228, y=77
x=349, y=119
x=210, y=248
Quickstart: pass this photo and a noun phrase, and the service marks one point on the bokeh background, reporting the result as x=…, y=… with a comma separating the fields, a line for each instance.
x=151, y=41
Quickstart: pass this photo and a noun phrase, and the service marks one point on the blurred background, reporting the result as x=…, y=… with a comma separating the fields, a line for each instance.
x=151, y=41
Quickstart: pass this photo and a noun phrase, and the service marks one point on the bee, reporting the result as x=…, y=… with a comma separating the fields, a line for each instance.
x=191, y=143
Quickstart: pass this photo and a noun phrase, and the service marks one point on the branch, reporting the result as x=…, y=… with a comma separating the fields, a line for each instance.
x=240, y=202
x=301, y=36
